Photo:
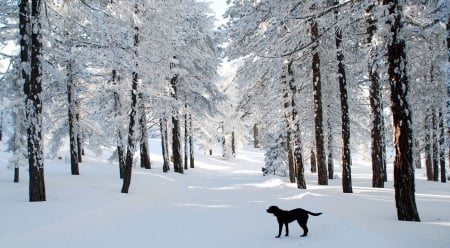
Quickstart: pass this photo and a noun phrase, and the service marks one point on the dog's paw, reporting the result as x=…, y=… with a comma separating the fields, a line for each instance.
x=277, y=236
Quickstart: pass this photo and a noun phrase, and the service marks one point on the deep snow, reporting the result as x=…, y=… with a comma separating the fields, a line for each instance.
x=218, y=204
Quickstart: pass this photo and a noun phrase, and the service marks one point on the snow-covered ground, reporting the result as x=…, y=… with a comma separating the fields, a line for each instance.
x=218, y=204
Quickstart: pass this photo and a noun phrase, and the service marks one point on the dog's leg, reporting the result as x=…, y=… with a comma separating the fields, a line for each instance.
x=280, y=228
x=303, y=225
x=287, y=228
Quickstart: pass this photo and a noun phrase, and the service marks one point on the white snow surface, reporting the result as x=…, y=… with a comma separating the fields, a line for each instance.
x=218, y=204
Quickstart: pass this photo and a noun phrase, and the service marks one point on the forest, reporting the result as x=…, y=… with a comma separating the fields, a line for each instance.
x=317, y=83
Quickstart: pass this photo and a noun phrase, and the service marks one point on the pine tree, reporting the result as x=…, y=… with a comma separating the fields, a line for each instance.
x=399, y=82
x=31, y=46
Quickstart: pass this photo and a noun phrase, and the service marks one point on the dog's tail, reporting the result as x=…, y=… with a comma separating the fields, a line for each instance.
x=313, y=214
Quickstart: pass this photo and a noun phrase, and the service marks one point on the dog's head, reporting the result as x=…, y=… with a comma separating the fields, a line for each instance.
x=273, y=210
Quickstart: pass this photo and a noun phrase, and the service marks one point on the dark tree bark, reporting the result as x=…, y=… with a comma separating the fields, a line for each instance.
x=186, y=141
x=313, y=162
x=288, y=118
x=1, y=125
x=376, y=106
x=299, y=166
x=127, y=171
x=330, y=157
x=79, y=135
x=318, y=112
x=427, y=140
x=442, y=146
x=435, y=148
x=233, y=144
x=346, y=153
x=33, y=102
x=191, y=143
x=71, y=107
x=255, y=136
x=176, y=131
x=164, y=145
x=416, y=152
x=403, y=133
x=144, y=147
x=117, y=114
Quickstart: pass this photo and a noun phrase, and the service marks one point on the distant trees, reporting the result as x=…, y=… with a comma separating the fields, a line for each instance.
x=101, y=64
x=304, y=32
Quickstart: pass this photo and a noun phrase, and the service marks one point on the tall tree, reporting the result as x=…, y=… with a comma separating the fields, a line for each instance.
x=376, y=102
x=31, y=56
x=401, y=115
x=133, y=114
x=342, y=78
x=318, y=112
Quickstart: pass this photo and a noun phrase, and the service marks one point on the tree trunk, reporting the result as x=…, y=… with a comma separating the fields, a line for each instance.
x=186, y=141
x=256, y=136
x=416, y=154
x=313, y=162
x=428, y=153
x=300, y=168
x=132, y=124
x=442, y=146
x=435, y=148
x=330, y=159
x=346, y=153
x=117, y=114
x=127, y=170
x=191, y=143
x=403, y=133
x=164, y=145
x=176, y=146
x=33, y=103
x=318, y=115
x=233, y=144
x=144, y=154
x=72, y=119
x=376, y=106
x=288, y=100
x=176, y=130
x=1, y=125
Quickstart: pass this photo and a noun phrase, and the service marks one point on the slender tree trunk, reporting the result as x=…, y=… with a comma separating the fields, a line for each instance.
x=1, y=125
x=300, y=168
x=144, y=154
x=118, y=114
x=255, y=136
x=318, y=115
x=127, y=170
x=191, y=143
x=442, y=146
x=72, y=119
x=132, y=124
x=33, y=103
x=435, y=148
x=416, y=152
x=342, y=78
x=313, y=162
x=287, y=75
x=403, y=133
x=428, y=153
x=79, y=135
x=233, y=144
x=164, y=145
x=377, y=132
x=176, y=130
x=176, y=146
x=186, y=141
x=330, y=160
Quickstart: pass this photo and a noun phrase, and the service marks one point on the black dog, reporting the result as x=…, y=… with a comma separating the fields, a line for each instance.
x=286, y=217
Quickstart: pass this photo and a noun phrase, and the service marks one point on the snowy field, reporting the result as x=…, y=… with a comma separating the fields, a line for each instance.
x=219, y=204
